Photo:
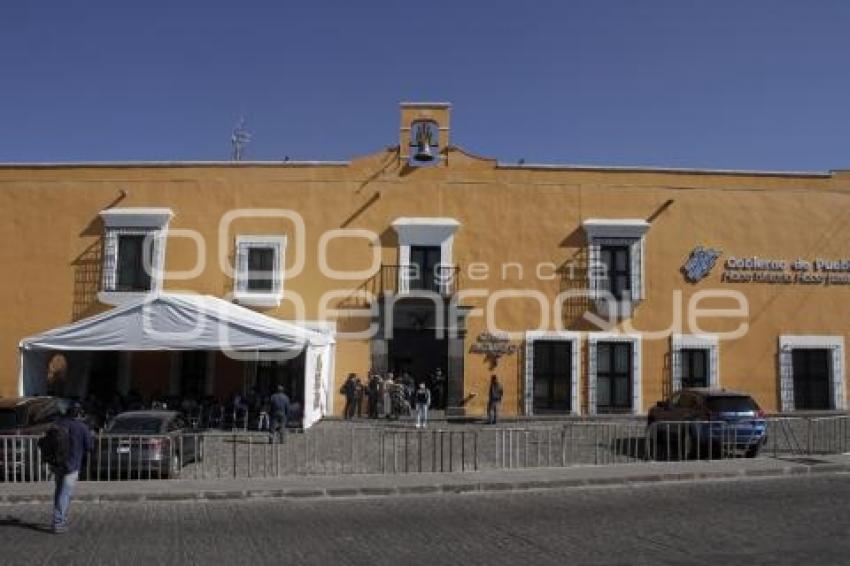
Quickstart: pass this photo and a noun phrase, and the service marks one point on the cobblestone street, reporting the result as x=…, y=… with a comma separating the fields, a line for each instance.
x=776, y=521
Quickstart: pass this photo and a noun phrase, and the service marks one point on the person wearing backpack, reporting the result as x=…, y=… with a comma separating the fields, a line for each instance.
x=63, y=447
x=422, y=398
x=493, y=399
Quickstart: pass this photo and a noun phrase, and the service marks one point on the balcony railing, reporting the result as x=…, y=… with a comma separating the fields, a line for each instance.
x=401, y=279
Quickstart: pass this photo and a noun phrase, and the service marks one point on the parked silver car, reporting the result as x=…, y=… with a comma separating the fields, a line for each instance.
x=145, y=444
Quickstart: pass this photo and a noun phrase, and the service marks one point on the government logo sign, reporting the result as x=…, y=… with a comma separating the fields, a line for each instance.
x=699, y=264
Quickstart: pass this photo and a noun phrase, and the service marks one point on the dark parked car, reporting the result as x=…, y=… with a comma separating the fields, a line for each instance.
x=696, y=422
x=145, y=444
x=22, y=421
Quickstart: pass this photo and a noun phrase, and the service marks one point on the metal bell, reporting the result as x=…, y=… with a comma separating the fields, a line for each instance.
x=423, y=152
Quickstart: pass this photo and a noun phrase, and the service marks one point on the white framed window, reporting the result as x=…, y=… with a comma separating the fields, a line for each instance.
x=259, y=270
x=133, y=252
x=614, y=373
x=811, y=373
x=616, y=251
x=543, y=387
x=694, y=361
x=420, y=241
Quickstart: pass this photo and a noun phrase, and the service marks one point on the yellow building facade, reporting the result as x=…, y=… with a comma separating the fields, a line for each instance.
x=585, y=290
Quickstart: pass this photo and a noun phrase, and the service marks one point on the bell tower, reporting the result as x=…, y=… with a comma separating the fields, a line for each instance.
x=424, y=133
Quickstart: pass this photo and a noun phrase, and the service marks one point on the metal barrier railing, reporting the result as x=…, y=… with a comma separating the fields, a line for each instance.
x=828, y=435
x=338, y=449
x=21, y=459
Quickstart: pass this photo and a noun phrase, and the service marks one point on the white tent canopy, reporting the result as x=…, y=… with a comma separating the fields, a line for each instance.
x=172, y=321
x=177, y=322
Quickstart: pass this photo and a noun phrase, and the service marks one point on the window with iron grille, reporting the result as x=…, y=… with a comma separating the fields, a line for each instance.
x=615, y=260
x=615, y=271
x=134, y=241
x=259, y=270
x=695, y=367
x=812, y=379
x=552, y=379
x=613, y=377
x=425, y=268
x=134, y=263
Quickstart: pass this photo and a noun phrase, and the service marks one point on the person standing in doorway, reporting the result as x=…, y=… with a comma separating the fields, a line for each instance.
x=64, y=448
x=438, y=384
x=280, y=407
x=494, y=398
x=423, y=401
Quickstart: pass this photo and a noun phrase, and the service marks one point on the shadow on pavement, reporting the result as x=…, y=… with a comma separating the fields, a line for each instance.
x=10, y=521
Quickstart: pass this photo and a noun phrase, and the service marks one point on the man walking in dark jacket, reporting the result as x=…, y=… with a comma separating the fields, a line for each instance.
x=280, y=406
x=66, y=474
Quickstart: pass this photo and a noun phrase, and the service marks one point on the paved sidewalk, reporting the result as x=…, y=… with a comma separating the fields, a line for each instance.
x=306, y=487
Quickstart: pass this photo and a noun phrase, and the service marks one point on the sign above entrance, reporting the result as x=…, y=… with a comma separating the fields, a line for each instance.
x=493, y=346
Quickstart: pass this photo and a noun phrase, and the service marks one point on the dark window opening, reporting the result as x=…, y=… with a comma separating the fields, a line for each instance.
x=695, y=367
x=552, y=375
x=811, y=379
x=132, y=272
x=425, y=268
x=613, y=377
x=261, y=269
x=615, y=274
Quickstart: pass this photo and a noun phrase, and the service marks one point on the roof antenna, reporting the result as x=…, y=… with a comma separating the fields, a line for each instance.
x=239, y=139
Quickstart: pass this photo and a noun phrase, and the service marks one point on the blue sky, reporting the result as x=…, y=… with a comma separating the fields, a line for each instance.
x=715, y=84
